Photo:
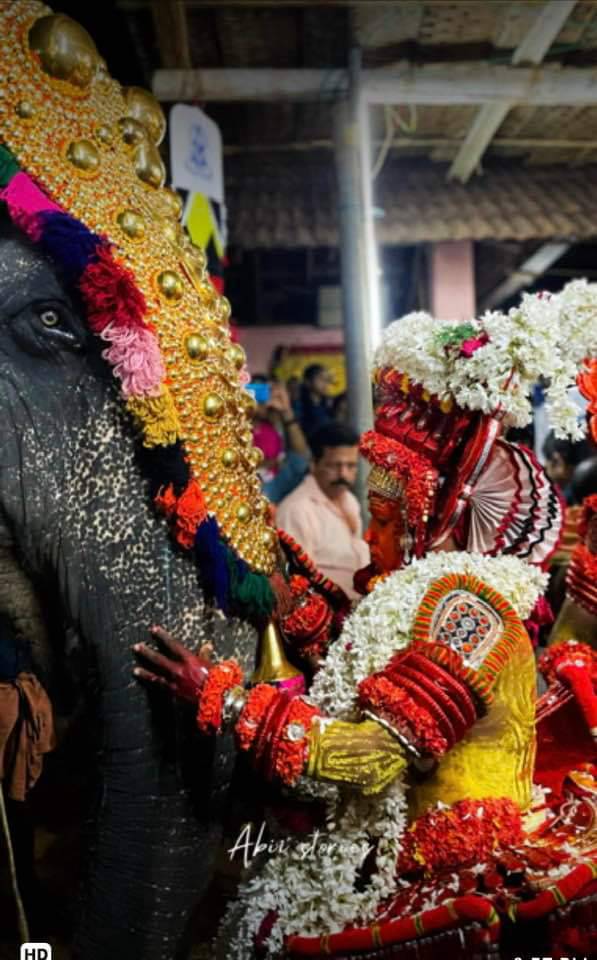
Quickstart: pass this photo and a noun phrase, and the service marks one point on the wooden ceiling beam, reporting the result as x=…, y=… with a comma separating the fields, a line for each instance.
x=170, y=23
x=528, y=272
x=442, y=84
x=402, y=143
x=490, y=117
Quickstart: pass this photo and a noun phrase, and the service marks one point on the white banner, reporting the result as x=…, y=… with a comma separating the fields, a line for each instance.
x=196, y=152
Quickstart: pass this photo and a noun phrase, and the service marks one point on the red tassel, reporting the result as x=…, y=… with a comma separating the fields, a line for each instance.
x=111, y=294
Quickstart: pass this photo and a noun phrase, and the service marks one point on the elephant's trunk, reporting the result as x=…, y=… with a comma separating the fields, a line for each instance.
x=154, y=825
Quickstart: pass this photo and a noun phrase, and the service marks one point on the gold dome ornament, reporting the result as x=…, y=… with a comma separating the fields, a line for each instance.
x=170, y=285
x=243, y=513
x=65, y=50
x=132, y=224
x=236, y=355
x=25, y=110
x=213, y=406
x=132, y=132
x=229, y=458
x=196, y=346
x=84, y=155
x=143, y=107
x=149, y=166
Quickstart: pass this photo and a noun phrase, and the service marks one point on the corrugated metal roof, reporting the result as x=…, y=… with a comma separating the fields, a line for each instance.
x=292, y=202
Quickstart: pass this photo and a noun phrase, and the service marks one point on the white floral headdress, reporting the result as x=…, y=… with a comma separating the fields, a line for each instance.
x=490, y=364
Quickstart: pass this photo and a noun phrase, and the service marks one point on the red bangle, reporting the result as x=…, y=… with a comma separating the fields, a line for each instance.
x=394, y=705
x=221, y=678
x=269, y=725
x=427, y=703
x=453, y=686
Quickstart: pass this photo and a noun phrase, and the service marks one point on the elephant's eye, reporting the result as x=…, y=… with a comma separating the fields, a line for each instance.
x=50, y=318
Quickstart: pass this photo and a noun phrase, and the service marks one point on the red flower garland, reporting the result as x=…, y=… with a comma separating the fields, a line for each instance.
x=467, y=833
x=220, y=679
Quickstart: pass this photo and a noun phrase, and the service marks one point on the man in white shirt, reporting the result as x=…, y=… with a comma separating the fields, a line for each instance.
x=322, y=513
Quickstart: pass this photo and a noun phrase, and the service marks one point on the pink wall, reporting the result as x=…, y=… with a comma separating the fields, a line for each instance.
x=259, y=342
x=452, y=280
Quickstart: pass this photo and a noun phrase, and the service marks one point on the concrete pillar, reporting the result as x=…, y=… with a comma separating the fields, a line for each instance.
x=452, y=280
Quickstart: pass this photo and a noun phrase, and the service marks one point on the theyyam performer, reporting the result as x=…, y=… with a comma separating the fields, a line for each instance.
x=460, y=807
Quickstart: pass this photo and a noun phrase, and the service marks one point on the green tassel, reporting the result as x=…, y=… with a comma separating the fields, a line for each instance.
x=252, y=592
x=8, y=166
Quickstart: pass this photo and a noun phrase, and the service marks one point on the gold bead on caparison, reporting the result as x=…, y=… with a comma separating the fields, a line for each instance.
x=65, y=49
x=84, y=155
x=148, y=165
x=132, y=224
x=171, y=285
x=229, y=457
x=213, y=406
x=196, y=346
x=143, y=107
x=25, y=109
x=243, y=512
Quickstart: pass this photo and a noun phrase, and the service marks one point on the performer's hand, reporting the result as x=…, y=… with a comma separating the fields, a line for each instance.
x=362, y=755
x=180, y=671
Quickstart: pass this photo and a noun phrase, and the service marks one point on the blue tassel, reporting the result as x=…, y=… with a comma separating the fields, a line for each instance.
x=69, y=243
x=211, y=555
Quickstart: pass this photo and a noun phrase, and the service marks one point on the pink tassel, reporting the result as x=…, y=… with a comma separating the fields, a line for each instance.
x=135, y=357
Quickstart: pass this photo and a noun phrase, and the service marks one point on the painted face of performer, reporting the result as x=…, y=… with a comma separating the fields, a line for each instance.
x=385, y=533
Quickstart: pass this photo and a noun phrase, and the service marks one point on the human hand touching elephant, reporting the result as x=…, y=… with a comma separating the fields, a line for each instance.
x=178, y=669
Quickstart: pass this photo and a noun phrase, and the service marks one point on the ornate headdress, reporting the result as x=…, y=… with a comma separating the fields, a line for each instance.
x=82, y=177
x=445, y=392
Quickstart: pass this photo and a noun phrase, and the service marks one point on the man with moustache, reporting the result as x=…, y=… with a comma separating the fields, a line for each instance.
x=323, y=514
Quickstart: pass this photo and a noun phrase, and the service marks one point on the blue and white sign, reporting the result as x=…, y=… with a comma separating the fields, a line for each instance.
x=196, y=152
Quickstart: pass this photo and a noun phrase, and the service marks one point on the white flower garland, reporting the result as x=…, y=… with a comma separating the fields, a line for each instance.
x=546, y=335
x=316, y=895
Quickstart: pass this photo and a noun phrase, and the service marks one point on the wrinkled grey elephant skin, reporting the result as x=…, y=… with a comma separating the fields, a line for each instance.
x=75, y=508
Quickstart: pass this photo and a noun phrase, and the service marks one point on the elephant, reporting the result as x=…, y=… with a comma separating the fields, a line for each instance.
x=76, y=519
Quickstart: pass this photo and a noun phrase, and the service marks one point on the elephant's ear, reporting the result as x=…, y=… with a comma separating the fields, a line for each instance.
x=25, y=638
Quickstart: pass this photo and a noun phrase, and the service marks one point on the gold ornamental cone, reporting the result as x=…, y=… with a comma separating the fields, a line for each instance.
x=272, y=663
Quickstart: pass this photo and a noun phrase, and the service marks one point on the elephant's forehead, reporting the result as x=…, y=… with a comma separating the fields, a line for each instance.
x=24, y=273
